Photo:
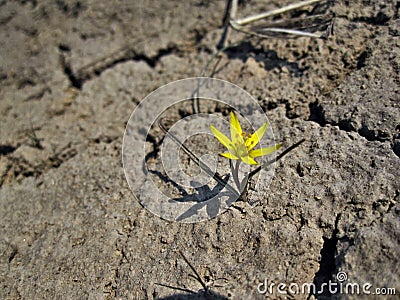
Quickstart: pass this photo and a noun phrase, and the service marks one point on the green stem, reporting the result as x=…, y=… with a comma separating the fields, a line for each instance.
x=268, y=163
x=235, y=174
x=247, y=178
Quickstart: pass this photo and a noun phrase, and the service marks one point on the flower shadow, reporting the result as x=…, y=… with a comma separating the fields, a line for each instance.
x=203, y=197
x=206, y=197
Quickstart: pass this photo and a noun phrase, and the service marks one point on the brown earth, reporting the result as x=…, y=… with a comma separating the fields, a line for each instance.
x=72, y=72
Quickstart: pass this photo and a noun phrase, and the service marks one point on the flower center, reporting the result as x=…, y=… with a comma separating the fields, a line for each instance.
x=241, y=150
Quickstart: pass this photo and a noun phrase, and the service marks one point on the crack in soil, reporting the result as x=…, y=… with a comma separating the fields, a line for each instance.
x=317, y=116
x=95, y=68
x=327, y=264
x=6, y=149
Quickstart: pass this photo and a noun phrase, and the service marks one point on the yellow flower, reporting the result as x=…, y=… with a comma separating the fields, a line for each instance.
x=240, y=145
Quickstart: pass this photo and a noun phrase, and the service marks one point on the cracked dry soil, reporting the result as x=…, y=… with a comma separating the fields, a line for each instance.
x=71, y=73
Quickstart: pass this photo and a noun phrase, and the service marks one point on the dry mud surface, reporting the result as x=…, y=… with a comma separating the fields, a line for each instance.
x=72, y=72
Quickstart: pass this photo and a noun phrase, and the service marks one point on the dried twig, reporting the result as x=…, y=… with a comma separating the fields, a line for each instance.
x=304, y=26
x=206, y=293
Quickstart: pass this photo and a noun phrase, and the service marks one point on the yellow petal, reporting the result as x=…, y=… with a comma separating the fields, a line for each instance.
x=248, y=160
x=255, y=138
x=264, y=151
x=229, y=155
x=222, y=138
x=236, y=129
